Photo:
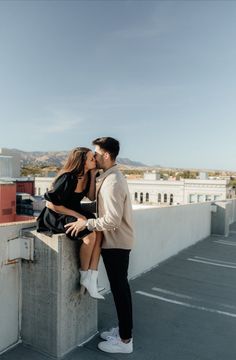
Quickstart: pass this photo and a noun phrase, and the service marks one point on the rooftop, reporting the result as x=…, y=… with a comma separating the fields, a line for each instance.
x=184, y=309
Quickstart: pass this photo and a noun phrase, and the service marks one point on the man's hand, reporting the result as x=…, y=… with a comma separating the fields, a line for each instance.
x=75, y=227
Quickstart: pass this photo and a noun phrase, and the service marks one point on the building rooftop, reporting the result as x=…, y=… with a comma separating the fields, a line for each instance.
x=184, y=309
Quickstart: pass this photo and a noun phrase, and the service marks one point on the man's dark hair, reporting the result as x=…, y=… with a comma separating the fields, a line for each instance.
x=112, y=146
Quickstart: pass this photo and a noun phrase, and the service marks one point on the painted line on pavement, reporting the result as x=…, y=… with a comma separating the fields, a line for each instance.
x=184, y=296
x=215, y=260
x=212, y=263
x=225, y=242
x=219, y=312
x=171, y=293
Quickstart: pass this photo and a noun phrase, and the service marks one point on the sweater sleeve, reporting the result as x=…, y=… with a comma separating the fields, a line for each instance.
x=62, y=189
x=113, y=202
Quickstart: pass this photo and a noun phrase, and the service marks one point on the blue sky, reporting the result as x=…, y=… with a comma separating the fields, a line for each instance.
x=158, y=75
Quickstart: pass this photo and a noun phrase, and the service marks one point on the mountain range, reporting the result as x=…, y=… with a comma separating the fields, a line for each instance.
x=57, y=158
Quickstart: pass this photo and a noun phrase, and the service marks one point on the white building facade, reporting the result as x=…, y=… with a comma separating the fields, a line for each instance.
x=10, y=163
x=42, y=184
x=174, y=192
x=162, y=192
x=6, y=166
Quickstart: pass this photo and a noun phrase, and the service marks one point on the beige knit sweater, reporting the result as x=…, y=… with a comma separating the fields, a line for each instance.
x=114, y=210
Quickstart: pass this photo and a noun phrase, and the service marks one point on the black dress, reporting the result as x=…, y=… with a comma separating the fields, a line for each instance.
x=63, y=193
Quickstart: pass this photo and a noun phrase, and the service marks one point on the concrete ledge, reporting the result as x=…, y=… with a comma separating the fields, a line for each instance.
x=55, y=319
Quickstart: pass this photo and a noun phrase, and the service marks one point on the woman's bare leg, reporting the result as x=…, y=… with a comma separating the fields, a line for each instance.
x=86, y=251
x=89, y=258
x=96, y=251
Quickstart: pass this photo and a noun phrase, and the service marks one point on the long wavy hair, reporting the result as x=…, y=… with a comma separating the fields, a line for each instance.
x=75, y=162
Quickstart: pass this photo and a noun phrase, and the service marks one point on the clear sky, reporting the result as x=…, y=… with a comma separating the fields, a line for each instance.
x=158, y=75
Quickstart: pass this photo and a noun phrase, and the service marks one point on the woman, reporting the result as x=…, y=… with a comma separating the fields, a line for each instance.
x=75, y=180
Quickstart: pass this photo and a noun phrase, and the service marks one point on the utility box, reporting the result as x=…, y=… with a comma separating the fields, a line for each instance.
x=21, y=248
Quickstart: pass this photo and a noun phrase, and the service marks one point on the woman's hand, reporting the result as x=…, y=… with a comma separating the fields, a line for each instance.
x=94, y=172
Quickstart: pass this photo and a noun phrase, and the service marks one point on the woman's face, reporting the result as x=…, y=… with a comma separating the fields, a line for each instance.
x=90, y=162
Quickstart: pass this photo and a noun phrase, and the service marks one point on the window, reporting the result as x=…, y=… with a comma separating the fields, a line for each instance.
x=159, y=197
x=192, y=198
x=208, y=197
x=201, y=198
x=141, y=198
x=136, y=196
x=39, y=191
x=147, y=197
x=165, y=197
x=171, y=199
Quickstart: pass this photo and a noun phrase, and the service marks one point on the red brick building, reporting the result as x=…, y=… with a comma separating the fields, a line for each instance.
x=8, y=192
x=7, y=202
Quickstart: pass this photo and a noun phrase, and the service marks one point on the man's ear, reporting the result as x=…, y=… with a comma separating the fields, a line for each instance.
x=106, y=155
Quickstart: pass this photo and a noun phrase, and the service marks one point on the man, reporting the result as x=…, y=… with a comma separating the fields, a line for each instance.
x=115, y=220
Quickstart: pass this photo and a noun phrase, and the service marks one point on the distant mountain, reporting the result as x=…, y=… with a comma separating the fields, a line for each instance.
x=57, y=158
x=128, y=162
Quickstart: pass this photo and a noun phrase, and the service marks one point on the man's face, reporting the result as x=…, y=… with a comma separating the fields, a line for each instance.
x=99, y=157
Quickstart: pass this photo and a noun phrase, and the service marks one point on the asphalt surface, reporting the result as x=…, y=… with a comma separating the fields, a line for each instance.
x=184, y=309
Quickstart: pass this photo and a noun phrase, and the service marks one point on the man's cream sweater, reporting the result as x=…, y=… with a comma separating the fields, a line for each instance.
x=114, y=210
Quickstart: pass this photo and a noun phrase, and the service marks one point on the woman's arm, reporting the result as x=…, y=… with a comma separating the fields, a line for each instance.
x=92, y=187
x=60, y=209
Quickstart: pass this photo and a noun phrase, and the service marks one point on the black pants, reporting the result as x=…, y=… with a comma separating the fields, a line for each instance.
x=116, y=262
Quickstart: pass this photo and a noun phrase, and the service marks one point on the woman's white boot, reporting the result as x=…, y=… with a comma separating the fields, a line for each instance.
x=89, y=280
x=83, y=275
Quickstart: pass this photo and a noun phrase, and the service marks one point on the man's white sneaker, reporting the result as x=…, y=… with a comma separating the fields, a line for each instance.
x=116, y=345
x=113, y=332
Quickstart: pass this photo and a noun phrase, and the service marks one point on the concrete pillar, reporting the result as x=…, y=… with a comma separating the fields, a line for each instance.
x=54, y=318
x=220, y=218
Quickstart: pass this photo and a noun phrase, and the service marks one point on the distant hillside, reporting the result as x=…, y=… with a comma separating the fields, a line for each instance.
x=57, y=158
x=128, y=162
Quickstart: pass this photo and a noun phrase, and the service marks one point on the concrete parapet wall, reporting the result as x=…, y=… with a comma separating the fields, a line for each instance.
x=39, y=301
x=163, y=232
x=223, y=216
x=232, y=213
x=54, y=318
